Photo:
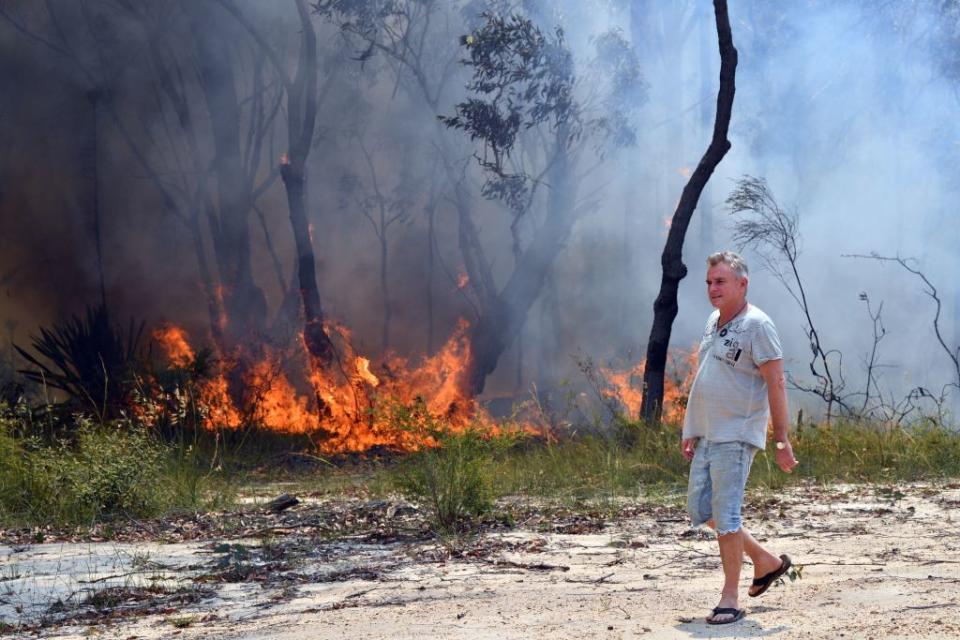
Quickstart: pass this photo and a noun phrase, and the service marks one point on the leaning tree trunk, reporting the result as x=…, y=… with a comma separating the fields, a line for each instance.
x=502, y=319
x=665, y=307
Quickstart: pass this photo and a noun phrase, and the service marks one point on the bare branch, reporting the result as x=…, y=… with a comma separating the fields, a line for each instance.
x=763, y=226
x=930, y=290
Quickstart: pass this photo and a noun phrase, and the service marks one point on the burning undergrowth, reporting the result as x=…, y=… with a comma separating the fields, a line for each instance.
x=621, y=387
x=355, y=404
x=351, y=404
x=348, y=406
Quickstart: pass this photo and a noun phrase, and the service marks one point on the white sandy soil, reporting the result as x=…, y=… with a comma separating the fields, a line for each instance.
x=876, y=564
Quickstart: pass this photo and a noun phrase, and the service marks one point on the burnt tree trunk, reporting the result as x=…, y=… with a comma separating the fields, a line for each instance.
x=302, y=100
x=705, y=208
x=301, y=120
x=315, y=337
x=665, y=307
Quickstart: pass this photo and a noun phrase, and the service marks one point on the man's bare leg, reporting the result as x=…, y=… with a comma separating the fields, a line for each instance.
x=732, y=547
x=763, y=561
x=731, y=555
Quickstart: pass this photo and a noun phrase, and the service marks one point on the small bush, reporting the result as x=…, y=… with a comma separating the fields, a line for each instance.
x=454, y=479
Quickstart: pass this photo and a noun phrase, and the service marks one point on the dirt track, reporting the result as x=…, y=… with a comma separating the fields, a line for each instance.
x=876, y=564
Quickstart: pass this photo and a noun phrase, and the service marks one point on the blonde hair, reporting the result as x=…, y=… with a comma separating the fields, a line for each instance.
x=733, y=260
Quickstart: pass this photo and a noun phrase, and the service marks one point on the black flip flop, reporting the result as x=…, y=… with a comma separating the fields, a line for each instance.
x=719, y=611
x=764, y=582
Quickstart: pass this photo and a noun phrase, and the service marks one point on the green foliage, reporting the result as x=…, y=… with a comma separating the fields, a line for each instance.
x=634, y=458
x=455, y=478
x=101, y=472
x=521, y=79
x=112, y=472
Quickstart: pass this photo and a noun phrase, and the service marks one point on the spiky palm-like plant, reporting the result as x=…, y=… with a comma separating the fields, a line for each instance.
x=88, y=357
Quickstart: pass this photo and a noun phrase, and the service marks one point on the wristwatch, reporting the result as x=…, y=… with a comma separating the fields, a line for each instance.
x=781, y=444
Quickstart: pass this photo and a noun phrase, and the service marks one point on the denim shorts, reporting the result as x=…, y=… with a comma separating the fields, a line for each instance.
x=718, y=475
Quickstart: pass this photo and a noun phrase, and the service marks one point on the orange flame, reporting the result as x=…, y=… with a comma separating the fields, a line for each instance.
x=173, y=340
x=627, y=386
x=214, y=398
x=363, y=370
x=216, y=405
x=351, y=408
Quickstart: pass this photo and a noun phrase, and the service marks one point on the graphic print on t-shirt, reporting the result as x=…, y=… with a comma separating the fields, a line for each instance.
x=730, y=344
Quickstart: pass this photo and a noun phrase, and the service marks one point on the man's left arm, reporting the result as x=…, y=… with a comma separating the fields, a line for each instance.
x=772, y=372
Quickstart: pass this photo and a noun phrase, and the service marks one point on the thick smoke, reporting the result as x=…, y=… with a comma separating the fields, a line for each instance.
x=845, y=109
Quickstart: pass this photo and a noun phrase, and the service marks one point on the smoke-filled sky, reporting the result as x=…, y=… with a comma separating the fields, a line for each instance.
x=847, y=108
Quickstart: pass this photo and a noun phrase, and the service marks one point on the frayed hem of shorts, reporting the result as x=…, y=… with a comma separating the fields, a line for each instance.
x=726, y=533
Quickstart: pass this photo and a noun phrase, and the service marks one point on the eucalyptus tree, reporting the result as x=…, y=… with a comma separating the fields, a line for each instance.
x=302, y=96
x=525, y=86
x=534, y=120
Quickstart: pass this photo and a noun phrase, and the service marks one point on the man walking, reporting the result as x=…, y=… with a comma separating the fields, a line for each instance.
x=739, y=384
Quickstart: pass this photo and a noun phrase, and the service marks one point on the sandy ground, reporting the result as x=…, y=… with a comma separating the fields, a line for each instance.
x=876, y=564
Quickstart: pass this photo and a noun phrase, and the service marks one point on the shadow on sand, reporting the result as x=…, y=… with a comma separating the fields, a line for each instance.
x=744, y=628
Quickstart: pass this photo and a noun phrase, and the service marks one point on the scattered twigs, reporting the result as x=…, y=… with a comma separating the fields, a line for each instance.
x=539, y=566
x=601, y=580
x=938, y=605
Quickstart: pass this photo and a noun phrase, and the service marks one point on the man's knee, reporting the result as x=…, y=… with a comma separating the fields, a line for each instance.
x=732, y=532
x=721, y=534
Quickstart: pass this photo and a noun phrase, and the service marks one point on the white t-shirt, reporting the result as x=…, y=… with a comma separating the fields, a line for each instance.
x=728, y=400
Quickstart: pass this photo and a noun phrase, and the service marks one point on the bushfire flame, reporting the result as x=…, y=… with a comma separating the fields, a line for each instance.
x=351, y=408
x=174, y=341
x=627, y=386
x=356, y=405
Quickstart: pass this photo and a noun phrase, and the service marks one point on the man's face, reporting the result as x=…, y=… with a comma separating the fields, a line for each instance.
x=724, y=288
